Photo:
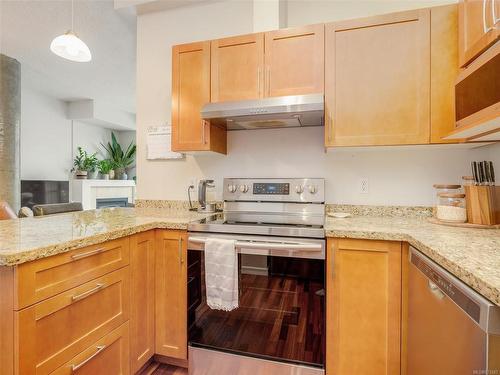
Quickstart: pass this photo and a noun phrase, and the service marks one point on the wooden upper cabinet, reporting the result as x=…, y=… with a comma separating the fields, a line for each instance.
x=294, y=60
x=237, y=68
x=378, y=80
x=444, y=71
x=364, y=307
x=479, y=27
x=190, y=91
x=171, y=293
x=275, y=63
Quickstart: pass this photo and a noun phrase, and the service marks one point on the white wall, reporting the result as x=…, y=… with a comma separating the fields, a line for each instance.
x=396, y=176
x=48, y=143
x=304, y=12
x=45, y=137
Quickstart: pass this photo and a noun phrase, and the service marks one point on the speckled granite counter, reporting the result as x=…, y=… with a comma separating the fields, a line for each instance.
x=23, y=240
x=472, y=255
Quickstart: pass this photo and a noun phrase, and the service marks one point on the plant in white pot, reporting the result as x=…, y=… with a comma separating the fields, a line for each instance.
x=121, y=159
x=83, y=163
x=105, y=166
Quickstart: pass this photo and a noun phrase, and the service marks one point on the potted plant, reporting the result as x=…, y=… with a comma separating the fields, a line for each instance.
x=105, y=166
x=83, y=163
x=120, y=159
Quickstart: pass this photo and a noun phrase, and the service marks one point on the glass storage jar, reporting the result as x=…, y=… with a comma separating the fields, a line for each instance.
x=451, y=207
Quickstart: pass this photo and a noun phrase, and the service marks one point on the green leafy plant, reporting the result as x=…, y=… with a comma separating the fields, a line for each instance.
x=85, y=162
x=105, y=166
x=120, y=158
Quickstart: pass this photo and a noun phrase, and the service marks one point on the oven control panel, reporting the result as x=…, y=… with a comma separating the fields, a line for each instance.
x=275, y=189
x=268, y=188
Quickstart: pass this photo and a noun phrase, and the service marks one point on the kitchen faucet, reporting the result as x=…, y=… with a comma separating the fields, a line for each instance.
x=202, y=196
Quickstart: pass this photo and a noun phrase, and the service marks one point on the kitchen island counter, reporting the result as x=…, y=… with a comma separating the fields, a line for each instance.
x=27, y=239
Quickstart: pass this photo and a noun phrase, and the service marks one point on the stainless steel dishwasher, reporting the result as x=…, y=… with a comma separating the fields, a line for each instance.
x=452, y=330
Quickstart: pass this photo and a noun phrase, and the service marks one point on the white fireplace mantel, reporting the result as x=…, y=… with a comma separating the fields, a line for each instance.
x=88, y=191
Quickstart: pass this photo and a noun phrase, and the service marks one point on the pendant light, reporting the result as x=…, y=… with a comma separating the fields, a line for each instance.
x=69, y=46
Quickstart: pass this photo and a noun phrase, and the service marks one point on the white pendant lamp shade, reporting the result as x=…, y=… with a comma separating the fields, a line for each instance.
x=70, y=47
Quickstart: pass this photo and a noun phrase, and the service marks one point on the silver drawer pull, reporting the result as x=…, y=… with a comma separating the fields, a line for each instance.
x=99, y=348
x=83, y=295
x=88, y=253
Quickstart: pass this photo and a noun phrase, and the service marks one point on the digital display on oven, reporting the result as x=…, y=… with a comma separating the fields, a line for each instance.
x=271, y=188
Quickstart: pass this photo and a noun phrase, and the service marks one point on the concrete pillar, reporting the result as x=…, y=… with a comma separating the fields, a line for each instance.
x=10, y=118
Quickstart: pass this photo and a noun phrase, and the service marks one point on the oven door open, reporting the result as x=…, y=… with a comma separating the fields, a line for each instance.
x=281, y=313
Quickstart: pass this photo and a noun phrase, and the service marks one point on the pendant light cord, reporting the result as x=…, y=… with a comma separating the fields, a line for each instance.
x=73, y=15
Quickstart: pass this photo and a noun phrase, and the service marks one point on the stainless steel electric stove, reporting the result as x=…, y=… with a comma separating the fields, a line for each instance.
x=279, y=326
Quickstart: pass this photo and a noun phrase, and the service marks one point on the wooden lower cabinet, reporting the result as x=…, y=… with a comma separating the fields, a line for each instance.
x=364, y=307
x=108, y=356
x=49, y=276
x=171, y=293
x=142, y=296
x=57, y=329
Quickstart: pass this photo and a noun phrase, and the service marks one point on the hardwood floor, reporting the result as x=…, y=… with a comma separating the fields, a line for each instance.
x=155, y=368
x=170, y=370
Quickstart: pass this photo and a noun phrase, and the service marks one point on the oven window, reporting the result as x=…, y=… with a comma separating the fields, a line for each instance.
x=281, y=314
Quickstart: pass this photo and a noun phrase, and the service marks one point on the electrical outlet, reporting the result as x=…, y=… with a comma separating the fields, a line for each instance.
x=364, y=187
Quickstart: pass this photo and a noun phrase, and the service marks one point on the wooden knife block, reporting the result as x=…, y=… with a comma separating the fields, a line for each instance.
x=483, y=204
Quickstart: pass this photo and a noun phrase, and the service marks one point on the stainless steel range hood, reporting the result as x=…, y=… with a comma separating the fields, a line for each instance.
x=277, y=112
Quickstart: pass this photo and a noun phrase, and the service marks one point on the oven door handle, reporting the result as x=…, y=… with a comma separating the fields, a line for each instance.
x=269, y=245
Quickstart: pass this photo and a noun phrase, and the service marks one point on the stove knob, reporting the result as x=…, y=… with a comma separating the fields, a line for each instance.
x=244, y=188
x=312, y=189
x=299, y=189
x=231, y=188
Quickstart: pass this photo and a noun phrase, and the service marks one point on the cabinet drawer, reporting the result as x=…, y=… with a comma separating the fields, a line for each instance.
x=109, y=355
x=52, y=332
x=49, y=276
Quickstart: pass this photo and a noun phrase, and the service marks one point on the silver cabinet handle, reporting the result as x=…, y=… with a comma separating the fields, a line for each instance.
x=181, y=260
x=435, y=290
x=88, y=293
x=330, y=126
x=268, y=69
x=203, y=124
x=259, y=72
x=99, y=348
x=494, y=12
x=486, y=29
x=88, y=253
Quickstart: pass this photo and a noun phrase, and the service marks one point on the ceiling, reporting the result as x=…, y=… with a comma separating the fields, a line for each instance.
x=27, y=28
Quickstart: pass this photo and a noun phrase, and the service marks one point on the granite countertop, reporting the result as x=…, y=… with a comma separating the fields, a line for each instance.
x=24, y=240
x=472, y=255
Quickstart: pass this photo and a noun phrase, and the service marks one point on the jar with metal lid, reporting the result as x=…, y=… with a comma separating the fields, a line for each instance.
x=451, y=207
x=447, y=188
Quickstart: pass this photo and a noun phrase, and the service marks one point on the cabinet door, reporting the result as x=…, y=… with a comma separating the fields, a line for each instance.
x=478, y=27
x=363, y=307
x=237, y=68
x=171, y=293
x=378, y=80
x=294, y=60
x=142, y=296
x=190, y=91
x=444, y=71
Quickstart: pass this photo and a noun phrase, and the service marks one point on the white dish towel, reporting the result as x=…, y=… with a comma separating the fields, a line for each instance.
x=221, y=274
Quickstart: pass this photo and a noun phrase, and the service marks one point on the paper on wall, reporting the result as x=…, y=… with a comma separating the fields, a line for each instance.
x=159, y=144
